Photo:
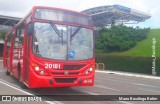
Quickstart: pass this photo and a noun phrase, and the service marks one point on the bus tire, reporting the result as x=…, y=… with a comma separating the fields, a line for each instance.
x=7, y=72
x=22, y=85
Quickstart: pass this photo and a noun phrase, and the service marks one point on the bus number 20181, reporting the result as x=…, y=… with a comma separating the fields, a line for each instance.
x=53, y=66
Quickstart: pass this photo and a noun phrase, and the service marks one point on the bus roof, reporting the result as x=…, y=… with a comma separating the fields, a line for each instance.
x=45, y=7
x=32, y=11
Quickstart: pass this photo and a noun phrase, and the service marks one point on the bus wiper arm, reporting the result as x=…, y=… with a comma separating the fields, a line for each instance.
x=57, y=31
x=75, y=32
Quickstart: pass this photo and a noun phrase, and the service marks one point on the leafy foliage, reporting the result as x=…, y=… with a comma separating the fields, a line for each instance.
x=119, y=38
x=136, y=64
x=144, y=47
x=2, y=35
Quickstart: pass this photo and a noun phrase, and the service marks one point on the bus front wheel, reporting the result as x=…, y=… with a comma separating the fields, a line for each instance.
x=7, y=72
x=22, y=85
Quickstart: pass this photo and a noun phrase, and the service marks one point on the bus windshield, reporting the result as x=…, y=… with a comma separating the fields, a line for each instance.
x=62, y=42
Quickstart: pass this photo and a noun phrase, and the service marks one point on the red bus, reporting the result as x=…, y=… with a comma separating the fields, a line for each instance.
x=51, y=47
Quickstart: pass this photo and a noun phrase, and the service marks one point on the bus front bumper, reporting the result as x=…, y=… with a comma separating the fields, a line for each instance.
x=37, y=81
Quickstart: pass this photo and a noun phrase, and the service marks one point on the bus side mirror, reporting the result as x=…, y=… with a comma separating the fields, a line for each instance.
x=30, y=29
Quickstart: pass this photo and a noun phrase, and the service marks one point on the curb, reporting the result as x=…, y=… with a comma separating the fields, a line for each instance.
x=129, y=74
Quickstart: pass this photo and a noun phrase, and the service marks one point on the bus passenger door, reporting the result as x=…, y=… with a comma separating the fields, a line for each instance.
x=17, y=62
x=27, y=41
x=15, y=56
x=7, y=52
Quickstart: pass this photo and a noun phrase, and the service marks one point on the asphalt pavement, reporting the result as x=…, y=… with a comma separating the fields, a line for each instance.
x=105, y=84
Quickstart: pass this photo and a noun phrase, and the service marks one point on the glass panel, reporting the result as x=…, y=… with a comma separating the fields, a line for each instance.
x=9, y=41
x=62, y=42
x=81, y=45
x=46, y=42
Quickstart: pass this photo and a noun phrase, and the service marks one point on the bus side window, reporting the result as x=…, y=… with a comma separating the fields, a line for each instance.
x=9, y=41
x=16, y=41
x=19, y=37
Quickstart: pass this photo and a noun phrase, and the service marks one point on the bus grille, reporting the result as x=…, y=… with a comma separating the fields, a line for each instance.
x=73, y=67
x=62, y=73
x=65, y=80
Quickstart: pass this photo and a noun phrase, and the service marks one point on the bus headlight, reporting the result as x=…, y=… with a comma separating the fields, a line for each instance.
x=38, y=70
x=88, y=71
x=42, y=72
x=91, y=69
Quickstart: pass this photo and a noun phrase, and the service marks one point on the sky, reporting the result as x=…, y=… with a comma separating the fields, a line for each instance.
x=19, y=8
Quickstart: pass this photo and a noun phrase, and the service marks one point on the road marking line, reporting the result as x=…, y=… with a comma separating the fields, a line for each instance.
x=124, y=102
x=3, y=82
x=129, y=74
x=108, y=88
x=114, y=80
x=120, y=78
x=15, y=88
x=149, y=90
x=91, y=93
x=141, y=84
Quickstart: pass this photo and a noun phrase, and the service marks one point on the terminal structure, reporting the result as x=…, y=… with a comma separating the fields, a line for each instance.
x=112, y=14
x=7, y=22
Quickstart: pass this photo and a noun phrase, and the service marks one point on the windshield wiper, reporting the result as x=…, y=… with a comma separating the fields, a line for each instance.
x=57, y=31
x=75, y=32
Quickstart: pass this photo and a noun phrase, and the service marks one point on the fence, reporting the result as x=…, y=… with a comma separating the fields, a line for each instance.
x=99, y=66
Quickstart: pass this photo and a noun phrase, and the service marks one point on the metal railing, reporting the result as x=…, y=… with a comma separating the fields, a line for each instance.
x=99, y=66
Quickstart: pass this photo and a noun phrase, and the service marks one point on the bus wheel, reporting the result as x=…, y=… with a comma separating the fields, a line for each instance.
x=7, y=72
x=22, y=85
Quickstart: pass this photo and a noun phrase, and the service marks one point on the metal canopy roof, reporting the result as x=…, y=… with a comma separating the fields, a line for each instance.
x=6, y=22
x=109, y=15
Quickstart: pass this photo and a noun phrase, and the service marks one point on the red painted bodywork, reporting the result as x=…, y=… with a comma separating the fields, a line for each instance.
x=23, y=58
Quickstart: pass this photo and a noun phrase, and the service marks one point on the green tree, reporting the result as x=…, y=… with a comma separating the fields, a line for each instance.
x=2, y=35
x=119, y=38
